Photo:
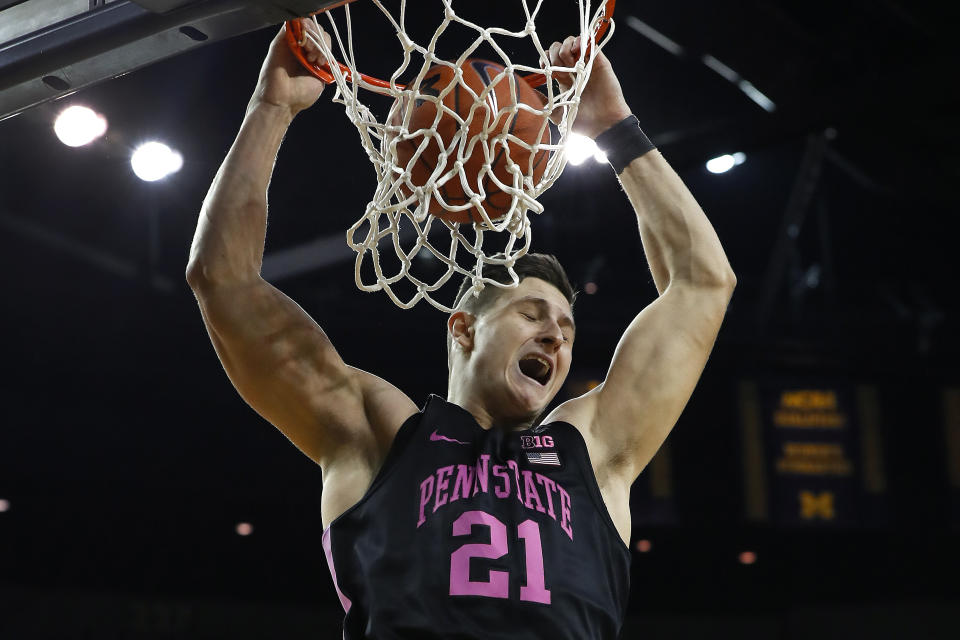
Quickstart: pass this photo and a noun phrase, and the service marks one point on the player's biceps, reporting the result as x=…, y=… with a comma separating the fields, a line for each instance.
x=645, y=394
x=309, y=409
x=669, y=396
x=638, y=363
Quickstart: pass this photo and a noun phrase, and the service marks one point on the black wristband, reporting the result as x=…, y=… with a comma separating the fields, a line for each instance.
x=623, y=143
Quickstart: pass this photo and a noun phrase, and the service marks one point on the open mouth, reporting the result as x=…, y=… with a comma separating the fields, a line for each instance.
x=537, y=368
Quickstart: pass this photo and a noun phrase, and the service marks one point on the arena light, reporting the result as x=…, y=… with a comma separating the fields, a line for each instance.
x=76, y=126
x=654, y=36
x=748, y=89
x=244, y=528
x=4, y=505
x=579, y=148
x=154, y=161
x=722, y=164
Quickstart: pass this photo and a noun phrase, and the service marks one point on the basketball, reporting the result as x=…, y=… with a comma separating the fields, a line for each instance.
x=493, y=116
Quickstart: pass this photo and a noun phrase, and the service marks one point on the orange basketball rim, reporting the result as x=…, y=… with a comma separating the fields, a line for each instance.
x=296, y=38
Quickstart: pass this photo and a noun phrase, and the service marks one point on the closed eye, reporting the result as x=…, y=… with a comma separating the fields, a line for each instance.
x=565, y=321
x=531, y=318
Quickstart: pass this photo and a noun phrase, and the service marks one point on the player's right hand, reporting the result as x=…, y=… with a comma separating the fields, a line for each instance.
x=284, y=82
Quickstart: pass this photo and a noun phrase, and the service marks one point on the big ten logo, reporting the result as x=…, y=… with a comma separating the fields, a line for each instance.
x=817, y=505
x=536, y=442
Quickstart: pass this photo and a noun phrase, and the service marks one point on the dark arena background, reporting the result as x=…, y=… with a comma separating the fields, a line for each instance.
x=811, y=489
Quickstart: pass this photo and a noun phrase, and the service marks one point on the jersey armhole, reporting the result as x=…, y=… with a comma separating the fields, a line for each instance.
x=400, y=440
x=593, y=487
x=397, y=447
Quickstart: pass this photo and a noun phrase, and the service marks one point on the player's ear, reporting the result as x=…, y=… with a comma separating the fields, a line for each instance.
x=460, y=327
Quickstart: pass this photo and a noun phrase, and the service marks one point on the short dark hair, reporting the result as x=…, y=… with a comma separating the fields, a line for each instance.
x=532, y=265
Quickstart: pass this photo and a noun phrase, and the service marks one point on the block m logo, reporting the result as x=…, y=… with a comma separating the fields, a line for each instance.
x=816, y=505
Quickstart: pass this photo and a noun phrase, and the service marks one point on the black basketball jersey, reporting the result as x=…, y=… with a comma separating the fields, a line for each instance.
x=474, y=533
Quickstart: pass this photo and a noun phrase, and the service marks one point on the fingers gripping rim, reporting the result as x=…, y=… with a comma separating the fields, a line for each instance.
x=539, y=79
x=296, y=39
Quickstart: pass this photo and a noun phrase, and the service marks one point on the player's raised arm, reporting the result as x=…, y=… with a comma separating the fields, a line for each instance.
x=663, y=352
x=277, y=357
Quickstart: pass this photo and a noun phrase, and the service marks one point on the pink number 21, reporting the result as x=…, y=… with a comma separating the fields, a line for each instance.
x=498, y=583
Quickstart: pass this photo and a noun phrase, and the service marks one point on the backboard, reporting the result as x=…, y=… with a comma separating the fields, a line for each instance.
x=51, y=48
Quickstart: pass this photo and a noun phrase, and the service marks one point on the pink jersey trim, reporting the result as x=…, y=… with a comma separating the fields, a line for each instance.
x=328, y=552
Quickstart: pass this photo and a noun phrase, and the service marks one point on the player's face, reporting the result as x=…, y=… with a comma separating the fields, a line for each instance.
x=524, y=345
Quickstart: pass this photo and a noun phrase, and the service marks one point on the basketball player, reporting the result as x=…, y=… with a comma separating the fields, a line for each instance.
x=468, y=518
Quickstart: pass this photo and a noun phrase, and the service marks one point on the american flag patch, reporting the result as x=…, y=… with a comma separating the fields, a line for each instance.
x=534, y=457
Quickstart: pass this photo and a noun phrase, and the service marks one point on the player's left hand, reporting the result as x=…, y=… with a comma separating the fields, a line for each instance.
x=602, y=104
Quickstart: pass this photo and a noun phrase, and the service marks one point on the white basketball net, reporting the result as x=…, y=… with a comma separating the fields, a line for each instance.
x=399, y=219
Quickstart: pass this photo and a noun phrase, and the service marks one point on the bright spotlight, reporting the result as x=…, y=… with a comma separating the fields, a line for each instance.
x=77, y=126
x=154, y=160
x=579, y=148
x=724, y=163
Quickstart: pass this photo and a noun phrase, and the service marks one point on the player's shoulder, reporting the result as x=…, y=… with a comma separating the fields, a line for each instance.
x=579, y=412
x=582, y=414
